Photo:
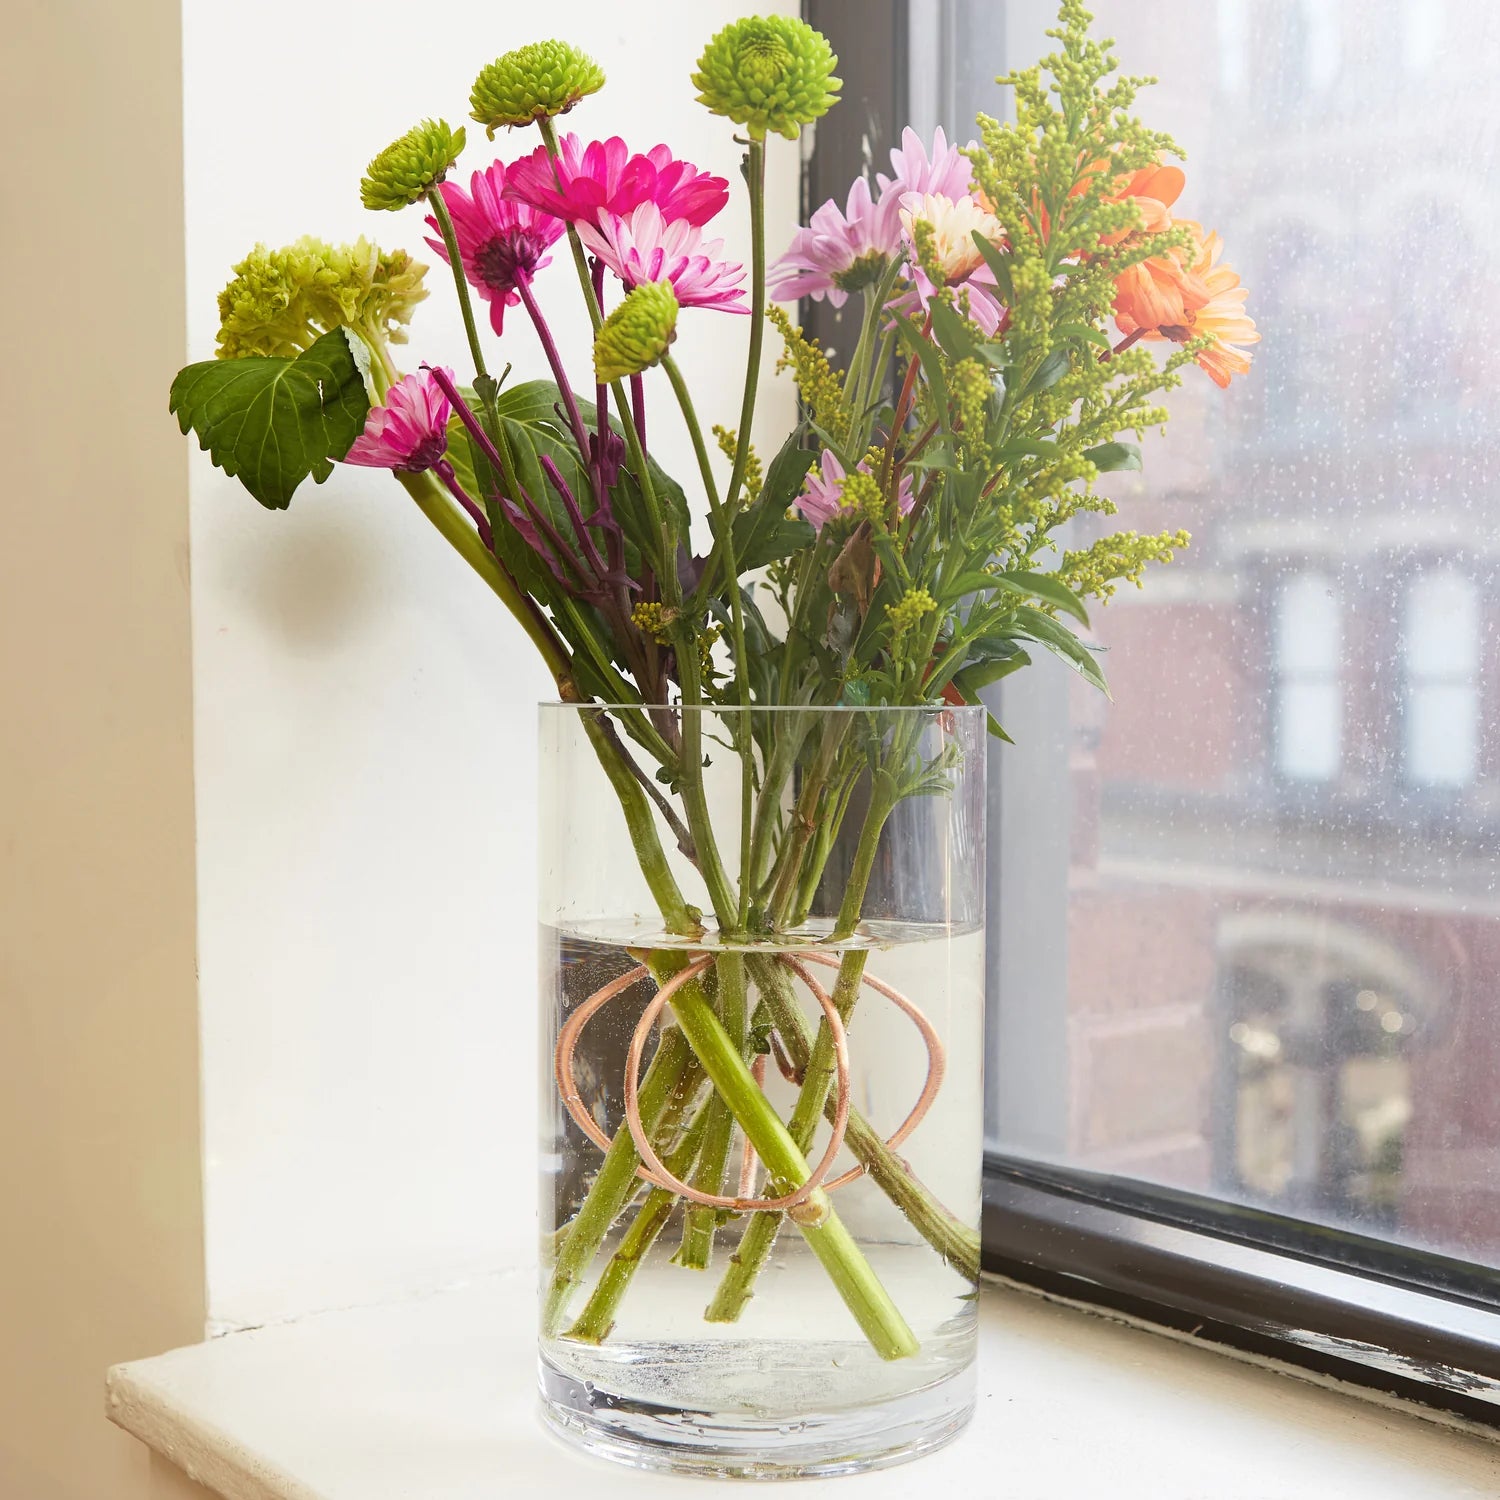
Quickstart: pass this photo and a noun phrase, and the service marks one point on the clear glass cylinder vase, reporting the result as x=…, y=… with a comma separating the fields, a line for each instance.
x=762, y=977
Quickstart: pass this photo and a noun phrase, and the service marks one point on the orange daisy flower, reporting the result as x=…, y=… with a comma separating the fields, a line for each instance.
x=1223, y=315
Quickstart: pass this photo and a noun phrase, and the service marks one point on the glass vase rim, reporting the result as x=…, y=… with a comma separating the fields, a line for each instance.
x=966, y=709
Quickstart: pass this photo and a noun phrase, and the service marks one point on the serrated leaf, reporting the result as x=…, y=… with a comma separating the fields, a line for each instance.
x=1046, y=587
x=1114, y=458
x=271, y=422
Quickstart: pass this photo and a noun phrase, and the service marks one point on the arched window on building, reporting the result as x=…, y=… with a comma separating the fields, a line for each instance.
x=1440, y=661
x=1314, y=1098
x=1308, y=696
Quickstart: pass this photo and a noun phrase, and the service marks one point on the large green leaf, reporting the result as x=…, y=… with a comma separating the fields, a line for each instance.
x=1110, y=458
x=1046, y=587
x=763, y=532
x=1061, y=641
x=272, y=422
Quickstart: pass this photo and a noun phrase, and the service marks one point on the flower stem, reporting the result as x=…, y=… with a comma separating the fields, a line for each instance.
x=580, y=263
x=439, y=509
x=700, y=1223
x=786, y=1167
x=440, y=212
x=755, y=175
x=955, y=1241
x=559, y=375
x=614, y=1185
x=593, y=1324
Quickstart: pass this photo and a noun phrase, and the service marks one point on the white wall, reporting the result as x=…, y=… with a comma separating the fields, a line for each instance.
x=364, y=709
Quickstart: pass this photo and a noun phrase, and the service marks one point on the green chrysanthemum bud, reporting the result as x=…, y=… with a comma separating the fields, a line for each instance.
x=768, y=73
x=532, y=83
x=407, y=169
x=637, y=333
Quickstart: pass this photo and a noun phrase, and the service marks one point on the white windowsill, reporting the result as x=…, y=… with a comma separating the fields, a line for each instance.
x=433, y=1399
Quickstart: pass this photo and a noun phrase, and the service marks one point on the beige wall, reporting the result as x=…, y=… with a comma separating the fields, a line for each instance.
x=100, y=1193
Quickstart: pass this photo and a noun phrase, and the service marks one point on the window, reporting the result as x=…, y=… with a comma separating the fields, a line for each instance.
x=1440, y=656
x=1308, y=648
x=1244, y=1042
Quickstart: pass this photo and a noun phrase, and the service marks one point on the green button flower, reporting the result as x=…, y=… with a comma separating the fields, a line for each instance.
x=407, y=169
x=533, y=83
x=768, y=73
x=637, y=333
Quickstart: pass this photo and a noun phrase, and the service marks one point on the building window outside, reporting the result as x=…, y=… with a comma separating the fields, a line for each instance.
x=1290, y=1002
x=1440, y=657
x=1309, y=728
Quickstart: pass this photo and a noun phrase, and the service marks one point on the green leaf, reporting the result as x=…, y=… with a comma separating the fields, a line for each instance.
x=996, y=356
x=1083, y=331
x=1048, y=588
x=999, y=262
x=1111, y=458
x=786, y=472
x=936, y=455
x=1061, y=641
x=969, y=583
x=1021, y=447
x=763, y=532
x=1048, y=373
x=928, y=357
x=762, y=536
x=957, y=336
x=968, y=686
x=272, y=422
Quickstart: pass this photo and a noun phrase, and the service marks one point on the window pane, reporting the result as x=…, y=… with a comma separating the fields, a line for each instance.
x=1442, y=626
x=1210, y=974
x=1309, y=730
x=1442, y=734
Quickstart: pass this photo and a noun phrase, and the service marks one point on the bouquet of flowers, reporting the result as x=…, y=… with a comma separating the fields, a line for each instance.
x=907, y=545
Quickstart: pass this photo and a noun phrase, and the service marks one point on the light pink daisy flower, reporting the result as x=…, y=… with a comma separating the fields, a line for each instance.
x=946, y=172
x=840, y=251
x=602, y=178
x=642, y=246
x=822, y=497
x=410, y=432
x=501, y=243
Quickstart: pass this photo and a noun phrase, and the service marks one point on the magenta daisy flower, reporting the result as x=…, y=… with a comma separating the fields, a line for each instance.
x=603, y=178
x=502, y=243
x=822, y=497
x=410, y=432
x=840, y=251
x=642, y=246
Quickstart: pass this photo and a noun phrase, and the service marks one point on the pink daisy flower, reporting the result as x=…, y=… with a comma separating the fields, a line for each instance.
x=410, y=432
x=840, y=251
x=604, y=178
x=946, y=172
x=822, y=497
x=642, y=246
x=501, y=243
